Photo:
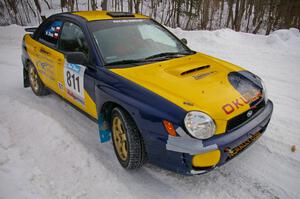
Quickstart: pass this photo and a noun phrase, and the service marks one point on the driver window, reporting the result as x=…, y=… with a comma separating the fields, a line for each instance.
x=72, y=39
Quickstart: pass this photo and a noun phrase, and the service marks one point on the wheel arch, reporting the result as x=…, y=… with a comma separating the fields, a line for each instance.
x=106, y=110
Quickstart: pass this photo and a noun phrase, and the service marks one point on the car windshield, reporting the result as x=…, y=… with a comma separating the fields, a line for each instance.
x=135, y=41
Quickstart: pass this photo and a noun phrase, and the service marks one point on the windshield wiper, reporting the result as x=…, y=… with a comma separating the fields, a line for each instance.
x=150, y=58
x=126, y=61
x=167, y=55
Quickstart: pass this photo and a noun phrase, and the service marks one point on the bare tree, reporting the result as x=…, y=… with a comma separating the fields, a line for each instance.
x=48, y=5
x=104, y=5
x=94, y=4
x=137, y=5
x=256, y=16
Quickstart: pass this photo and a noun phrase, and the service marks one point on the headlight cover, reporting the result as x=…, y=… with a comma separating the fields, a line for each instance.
x=264, y=91
x=199, y=125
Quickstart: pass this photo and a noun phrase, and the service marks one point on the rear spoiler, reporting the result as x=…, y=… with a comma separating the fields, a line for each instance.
x=32, y=30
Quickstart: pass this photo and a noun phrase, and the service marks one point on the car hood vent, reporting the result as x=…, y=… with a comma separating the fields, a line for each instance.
x=195, y=69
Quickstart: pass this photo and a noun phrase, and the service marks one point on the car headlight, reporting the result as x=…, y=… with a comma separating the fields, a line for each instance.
x=264, y=91
x=199, y=125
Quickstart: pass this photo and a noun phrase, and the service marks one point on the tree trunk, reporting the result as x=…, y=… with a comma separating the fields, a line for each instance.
x=129, y=5
x=190, y=12
x=257, y=27
x=38, y=5
x=32, y=10
x=104, y=5
x=230, y=13
x=76, y=2
x=94, y=4
x=221, y=13
x=137, y=5
x=46, y=2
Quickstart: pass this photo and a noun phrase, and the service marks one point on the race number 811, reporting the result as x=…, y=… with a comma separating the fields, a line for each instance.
x=74, y=78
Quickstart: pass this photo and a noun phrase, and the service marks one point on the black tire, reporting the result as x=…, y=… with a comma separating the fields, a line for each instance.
x=134, y=141
x=36, y=85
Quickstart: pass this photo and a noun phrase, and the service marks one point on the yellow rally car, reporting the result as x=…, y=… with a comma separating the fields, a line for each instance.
x=158, y=100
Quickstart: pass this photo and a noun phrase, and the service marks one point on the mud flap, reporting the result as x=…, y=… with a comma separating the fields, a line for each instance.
x=104, y=131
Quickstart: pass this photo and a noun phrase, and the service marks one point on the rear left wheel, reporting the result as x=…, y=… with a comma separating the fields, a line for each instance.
x=35, y=82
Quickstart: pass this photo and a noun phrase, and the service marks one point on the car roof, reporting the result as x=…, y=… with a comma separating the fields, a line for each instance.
x=104, y=15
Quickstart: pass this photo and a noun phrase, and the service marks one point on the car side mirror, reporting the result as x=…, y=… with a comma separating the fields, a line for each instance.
x=183, y=40
x=77, y=58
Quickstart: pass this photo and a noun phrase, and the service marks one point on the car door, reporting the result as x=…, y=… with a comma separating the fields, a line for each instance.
x=72, y=78
x=46, y=56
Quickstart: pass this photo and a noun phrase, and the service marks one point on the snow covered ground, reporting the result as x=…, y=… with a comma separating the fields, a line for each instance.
x=49, y=150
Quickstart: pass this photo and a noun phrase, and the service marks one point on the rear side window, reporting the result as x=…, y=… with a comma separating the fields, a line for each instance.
x=72, y=39
x=51, y=33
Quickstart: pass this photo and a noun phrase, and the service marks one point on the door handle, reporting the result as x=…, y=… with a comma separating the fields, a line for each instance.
x=44, y=51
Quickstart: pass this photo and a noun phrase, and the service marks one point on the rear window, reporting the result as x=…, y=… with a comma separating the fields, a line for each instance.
x=51, y=33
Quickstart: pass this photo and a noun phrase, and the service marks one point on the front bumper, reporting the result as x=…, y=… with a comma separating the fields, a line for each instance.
x=229, y=144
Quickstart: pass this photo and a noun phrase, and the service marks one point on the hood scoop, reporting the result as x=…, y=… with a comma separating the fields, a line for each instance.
x=194, y=70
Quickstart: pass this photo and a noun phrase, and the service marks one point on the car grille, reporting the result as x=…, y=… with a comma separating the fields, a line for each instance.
x=239, y=120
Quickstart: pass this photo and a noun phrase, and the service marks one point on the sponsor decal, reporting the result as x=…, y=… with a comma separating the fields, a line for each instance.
x=74, y=67
x=128, y=21
x=239, y=102
x=201, y=76
x=45, y=69
x=234, y=151
x=75, y=97
x=60, y=85
x=188, y=103
x=57, y=29
x=43, y=65
x=55, y=36
x=54, y=29
x=249, y=113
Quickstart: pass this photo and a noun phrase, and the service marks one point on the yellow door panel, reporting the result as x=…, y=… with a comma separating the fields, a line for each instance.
x=71, y=80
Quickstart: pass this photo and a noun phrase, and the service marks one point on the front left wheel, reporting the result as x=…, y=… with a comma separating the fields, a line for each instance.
x=127, y=140
x=35, y=82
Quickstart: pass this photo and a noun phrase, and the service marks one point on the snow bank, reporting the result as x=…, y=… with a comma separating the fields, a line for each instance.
x=49, y=150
